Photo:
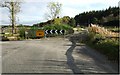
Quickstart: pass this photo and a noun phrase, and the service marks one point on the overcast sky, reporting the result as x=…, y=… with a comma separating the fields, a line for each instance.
x=33, y=11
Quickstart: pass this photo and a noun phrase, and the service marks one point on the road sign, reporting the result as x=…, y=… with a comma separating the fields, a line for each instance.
x=51, y=31
x=62, y=31
x=46, y=32
x=40, y=33
x=54, y=31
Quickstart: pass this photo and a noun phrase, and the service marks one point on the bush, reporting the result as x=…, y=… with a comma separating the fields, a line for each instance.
x=109, y=47
x=22, y=32
x=105, y=45
x=57, y=27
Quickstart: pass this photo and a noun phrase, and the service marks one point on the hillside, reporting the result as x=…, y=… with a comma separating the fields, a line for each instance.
x=108, y=17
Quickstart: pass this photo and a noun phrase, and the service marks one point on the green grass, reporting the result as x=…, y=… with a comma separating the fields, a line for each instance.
x=106, y=46
x=109, y=47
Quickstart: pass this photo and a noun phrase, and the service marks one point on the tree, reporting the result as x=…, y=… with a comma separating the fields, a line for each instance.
x=54, y=9
x=14, y=8
x=66, y=19
x=95, y=20
x=98, y=17
x=72, y=22
x=57, y=21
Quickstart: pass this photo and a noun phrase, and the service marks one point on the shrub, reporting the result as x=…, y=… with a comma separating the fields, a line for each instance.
x=57, y=27
x=68, y=28
x=109, y=46
x=22, y=32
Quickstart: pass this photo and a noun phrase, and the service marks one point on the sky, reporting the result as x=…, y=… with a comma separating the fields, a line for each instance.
x=33, y=11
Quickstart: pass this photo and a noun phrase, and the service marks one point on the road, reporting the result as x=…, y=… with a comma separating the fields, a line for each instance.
x=53, y=55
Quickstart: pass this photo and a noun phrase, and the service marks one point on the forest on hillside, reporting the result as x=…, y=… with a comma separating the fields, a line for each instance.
x=107, y=17
x=66, y=20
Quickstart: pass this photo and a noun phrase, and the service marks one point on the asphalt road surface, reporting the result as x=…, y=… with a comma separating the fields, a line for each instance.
x=53, y=55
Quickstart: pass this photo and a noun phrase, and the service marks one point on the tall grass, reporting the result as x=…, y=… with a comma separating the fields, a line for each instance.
x=103, y=40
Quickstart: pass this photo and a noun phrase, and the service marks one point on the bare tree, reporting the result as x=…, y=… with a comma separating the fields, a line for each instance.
x=54, y=9
x=14, y=8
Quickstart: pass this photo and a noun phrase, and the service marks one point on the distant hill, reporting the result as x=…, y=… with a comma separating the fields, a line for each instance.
x=66, y=20
x=108, y=17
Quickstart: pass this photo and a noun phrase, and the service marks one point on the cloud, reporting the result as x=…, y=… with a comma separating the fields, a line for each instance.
x=74, y=7
x=87, y=2
x=4, y=19
x=40, y=1
x=33, y=10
